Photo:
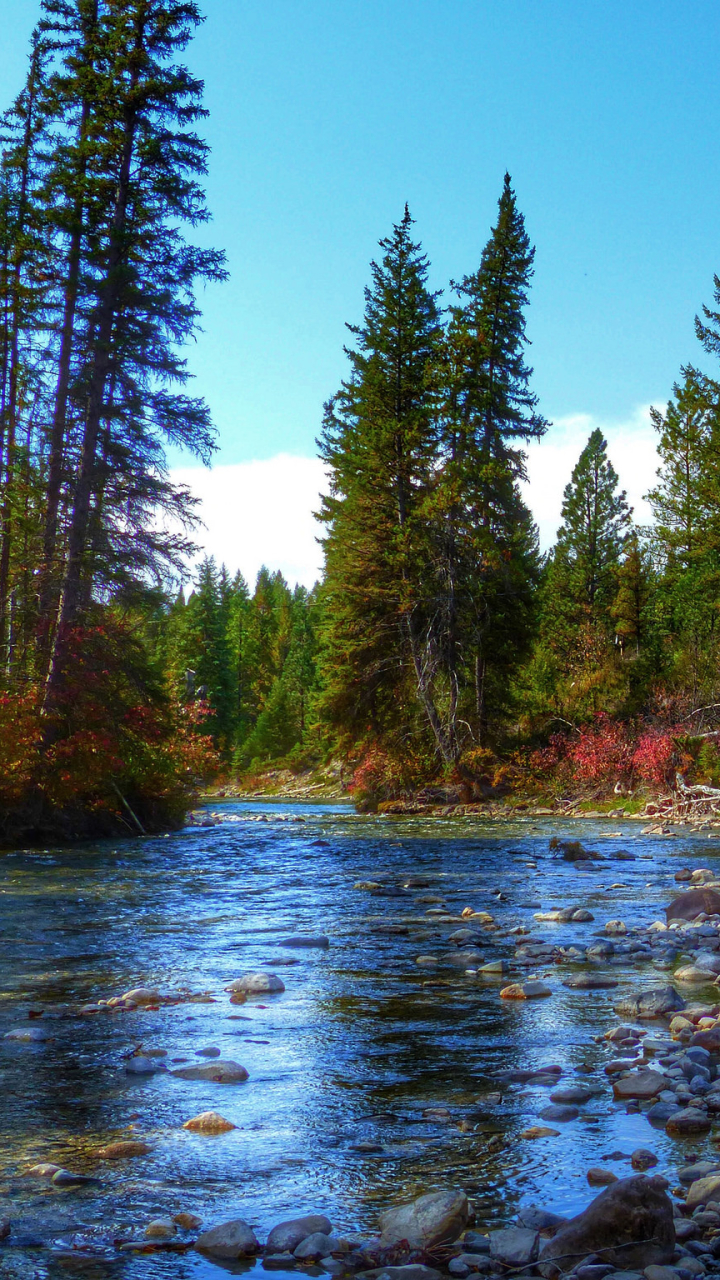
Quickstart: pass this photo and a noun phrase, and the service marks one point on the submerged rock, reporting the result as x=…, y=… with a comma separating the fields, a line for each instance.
x=123, y=1150
x=630, y=1224
x=436, y=1218
x=27, y=1035
x=306, y=940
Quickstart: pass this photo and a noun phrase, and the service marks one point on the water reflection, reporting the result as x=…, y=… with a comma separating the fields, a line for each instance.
x=370, y=1077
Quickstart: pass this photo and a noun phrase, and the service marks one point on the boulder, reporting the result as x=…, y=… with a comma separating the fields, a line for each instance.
x=209, y=1122
x=689, y=905
x=229, y=1240
x=703, y=1190
x=435, y=1218
x=687, y=1121
x=630, y=1224
x=317, y=1245
x=514, y=1246
x=257, y=984
x=657, y=1002
x=286, y=1236
x=641, y=1085
x=218, y=1072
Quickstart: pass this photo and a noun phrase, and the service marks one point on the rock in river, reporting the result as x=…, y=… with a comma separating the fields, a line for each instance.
x=514, y=1246
x=317, y=1245
x=432, y=1219
x=630, y=1224
x=257, y=984
x=143, y=995
x=306, y=940
x=640, y=1085
x=229, y=1240
x=209, y=1122
x=525, y=991
x=703, y=1190
x=286, y=1236
x=657, y=1002
x=27, y=1035
x=686, y=1121
x=123, y=1150
x=688, y=906
x=218, y=1072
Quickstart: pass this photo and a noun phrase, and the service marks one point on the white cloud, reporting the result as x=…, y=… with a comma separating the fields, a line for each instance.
x=631, y=449
x=261, y=512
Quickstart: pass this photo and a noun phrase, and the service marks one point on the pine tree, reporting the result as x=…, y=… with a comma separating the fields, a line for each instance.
x=630, y=610
x=206, y=651
x=379, y=441
x=139, y=272
x=596, y=521
x=686, y=506
x=487, y=539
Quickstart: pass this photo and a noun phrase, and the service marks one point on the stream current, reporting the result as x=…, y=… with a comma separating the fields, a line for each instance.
x=360, y=1045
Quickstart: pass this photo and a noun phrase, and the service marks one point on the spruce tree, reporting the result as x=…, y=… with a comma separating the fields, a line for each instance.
x=379, y=441
x=488, y=555
x=596, y=522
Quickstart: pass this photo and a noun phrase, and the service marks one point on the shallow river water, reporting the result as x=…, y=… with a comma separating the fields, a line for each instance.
x=360, y=1044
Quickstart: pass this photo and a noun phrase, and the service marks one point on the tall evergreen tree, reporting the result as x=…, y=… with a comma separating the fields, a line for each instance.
x=488, y=543
x=379, y=441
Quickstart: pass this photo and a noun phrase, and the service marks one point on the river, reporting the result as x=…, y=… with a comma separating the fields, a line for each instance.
x=361, y=1043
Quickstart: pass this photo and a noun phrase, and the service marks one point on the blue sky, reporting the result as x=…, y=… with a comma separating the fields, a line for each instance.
x=327, y=116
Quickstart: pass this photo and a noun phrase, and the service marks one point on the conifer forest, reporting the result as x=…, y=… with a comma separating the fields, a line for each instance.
x=441, y=654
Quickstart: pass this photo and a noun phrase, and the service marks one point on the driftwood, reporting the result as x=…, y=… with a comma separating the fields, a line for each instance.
x=687, y=802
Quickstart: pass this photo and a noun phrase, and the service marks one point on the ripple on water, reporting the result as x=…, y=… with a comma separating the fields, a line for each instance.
x=371, y=1078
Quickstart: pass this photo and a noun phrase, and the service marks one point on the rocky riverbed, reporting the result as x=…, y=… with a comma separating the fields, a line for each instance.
x=307, y=1041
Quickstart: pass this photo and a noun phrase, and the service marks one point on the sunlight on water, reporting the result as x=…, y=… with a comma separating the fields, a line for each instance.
x=361, y=1043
